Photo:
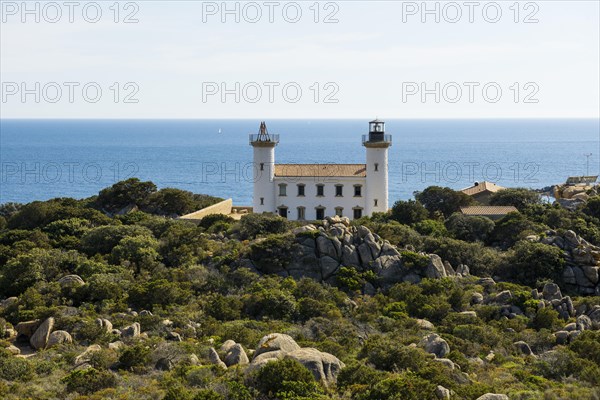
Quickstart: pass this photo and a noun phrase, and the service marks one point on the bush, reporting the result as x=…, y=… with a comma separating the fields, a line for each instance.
x=546, y=318
x=137, y=251
x=443, y=200
x=272, y=254
x=592, y=207
x=212, y=219
x=134, y=356
x=170, y=201
x=482, y=261
x=430, y=227
x=518, y=197
x=468, y=228
x=159, y=291
x=15, y=369
x=129, y=192
x=414, y=260
x=253, y=225
x=408, y=212
x=530, y=262
x=514, y=227
x=389, y=355
x=587, y=346
x=275, y=376
x=406, y=386
x=103, y=239
x=87, y=381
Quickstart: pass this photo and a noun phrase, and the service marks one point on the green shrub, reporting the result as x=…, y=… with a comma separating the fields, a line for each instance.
x=15, y=369
x=212, y=219
x=137, y=355
x=546, y=318
x=87, y=381
x=587, y=346
x=405, y=386
x=443, y=200
x=531, y=262
x=430, y=227
x=482, y=261
x=414, y=260
x=253, y=225
x=273, y=253
x=276, y=376
x=469, y=228
x=408, y=212
x=518, y=197
x=389, y=355
x=129, y=192
x=207, y=394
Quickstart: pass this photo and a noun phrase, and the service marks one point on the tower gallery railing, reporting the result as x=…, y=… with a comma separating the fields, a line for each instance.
x=273, y=138
x=371, y=138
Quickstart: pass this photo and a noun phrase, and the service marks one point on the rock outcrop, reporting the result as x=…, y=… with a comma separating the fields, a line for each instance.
x=71, y=281
x=319, y=252
x=582, y=270
x=325, y=367
x=132, y=330
x=59, y=337
x=551, y=296
x=39, y=339
x=493, y=396
x=214, y=358
x=236, y=356
x=434, y=344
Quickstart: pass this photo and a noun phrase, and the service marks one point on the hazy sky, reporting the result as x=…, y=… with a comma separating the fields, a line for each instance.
x=349, y=59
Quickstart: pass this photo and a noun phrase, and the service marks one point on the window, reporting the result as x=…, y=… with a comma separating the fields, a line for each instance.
x=375, y=201
x=376, y=167
x=262, y=201
x=282, y=189
x=301, y=213
x=283, y=211
x=320, y=212
x=357, y=190
x=357, y=213
x=301, y=190
x=320, y=190
x=339, y=211
x=338, y=190
x=262, y=166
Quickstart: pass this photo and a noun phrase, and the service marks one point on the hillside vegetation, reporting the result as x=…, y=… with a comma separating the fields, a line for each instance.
x=112, y=297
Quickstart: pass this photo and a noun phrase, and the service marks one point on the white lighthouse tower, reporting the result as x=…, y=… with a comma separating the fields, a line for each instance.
x=377, y=144
x=263, y=145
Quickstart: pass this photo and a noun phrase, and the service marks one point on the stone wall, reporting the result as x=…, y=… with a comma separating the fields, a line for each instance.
x=223, y=207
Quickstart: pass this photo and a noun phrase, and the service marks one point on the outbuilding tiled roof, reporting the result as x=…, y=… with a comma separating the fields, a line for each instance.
x=321, y=170
x=487, y=210
x=480, y=187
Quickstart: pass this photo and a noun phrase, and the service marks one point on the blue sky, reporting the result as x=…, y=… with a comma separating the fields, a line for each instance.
x=374, y=61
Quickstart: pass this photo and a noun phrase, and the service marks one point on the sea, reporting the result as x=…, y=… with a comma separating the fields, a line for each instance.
x=44, y=159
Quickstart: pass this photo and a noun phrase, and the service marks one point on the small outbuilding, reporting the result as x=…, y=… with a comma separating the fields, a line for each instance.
x=482, y=191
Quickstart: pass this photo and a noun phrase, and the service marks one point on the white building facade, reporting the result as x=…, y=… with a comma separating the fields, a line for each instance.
x=316, y=191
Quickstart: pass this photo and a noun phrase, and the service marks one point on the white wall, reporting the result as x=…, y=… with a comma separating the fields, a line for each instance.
x=310, y=199
x=377, y=186
x=263, y=180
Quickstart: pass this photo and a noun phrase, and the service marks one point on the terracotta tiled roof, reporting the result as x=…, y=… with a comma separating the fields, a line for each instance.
x=487, y=210
x=321, y=170
x=482, y=187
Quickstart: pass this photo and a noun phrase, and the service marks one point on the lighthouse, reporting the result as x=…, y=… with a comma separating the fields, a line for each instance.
x=264, y=169
x=315, y=191
x=377, y=144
